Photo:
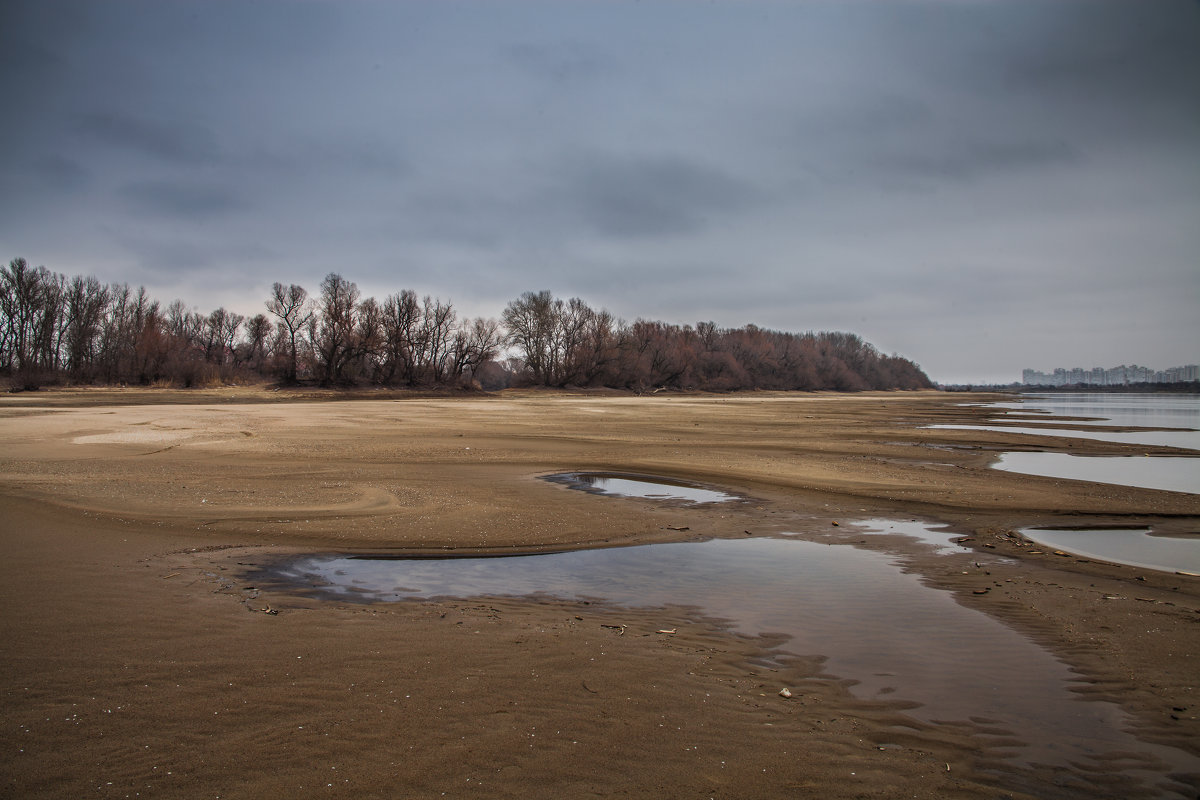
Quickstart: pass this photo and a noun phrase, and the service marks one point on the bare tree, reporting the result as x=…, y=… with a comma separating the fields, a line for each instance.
x=214, y=336
x=473, y=345
x=290, y=305
x=21, y=301
x=258, y=328
x=229, y=331
x=560, y=342
x=367, y=343
x=436, y=330
x=401, y=315
x=87, y=302
x=529, y=321
x=334, y=344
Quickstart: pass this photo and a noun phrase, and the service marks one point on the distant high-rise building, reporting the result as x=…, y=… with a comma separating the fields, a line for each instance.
x=1114, y=376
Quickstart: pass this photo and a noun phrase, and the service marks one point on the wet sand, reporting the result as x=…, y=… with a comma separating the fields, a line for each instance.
x=140, y=660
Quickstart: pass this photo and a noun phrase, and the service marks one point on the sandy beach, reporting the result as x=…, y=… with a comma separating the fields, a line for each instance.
x=143, y=657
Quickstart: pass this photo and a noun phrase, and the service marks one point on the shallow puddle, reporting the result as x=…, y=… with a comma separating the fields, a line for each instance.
x=941, y=540
x=877, y=625
x=640, y=486
x=1149, y=472
x=1135, y=547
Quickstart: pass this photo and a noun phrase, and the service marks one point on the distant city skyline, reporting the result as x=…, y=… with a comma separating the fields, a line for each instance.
x=1122, y=375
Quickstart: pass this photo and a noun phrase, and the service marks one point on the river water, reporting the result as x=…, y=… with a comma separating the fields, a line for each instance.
x=1168, y=420
x=1161, y=419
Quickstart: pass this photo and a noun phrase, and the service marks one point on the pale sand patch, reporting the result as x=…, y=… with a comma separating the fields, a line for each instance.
x=140, y=436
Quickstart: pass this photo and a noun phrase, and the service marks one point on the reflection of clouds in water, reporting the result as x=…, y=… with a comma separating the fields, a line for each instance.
x=1140, y=410
x=1135, y=547
x=1175, y=474
x=942, y=540
x=644, y=488
x=1147, y=472
x=629, y=487
x=1152, y=410
x=897, y=638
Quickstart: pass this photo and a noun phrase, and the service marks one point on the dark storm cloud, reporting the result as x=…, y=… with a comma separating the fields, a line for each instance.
x=177, y=199
x=1117, y=69
x=29, y=72
x=171, y=141
x=640, y=196
x=24, y=63
x=1101, y=46
x=62, y=173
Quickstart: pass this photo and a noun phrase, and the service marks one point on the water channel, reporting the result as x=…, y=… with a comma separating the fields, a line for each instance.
x=877, y=625
x=1159, y=419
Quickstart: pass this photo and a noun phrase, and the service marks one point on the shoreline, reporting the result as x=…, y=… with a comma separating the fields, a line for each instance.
x=102, y=501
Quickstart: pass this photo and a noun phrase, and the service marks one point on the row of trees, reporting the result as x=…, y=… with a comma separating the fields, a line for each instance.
x=54, y=327
x=564, y=343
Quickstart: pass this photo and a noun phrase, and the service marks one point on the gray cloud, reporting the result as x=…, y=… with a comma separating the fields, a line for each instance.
x=1102, y=46
x=178, y=199
x=654, y=195
x=174, y=141
x=199, y=261
x=963, y=161
x=558, y=61
x=319, y=160
x=62, y=173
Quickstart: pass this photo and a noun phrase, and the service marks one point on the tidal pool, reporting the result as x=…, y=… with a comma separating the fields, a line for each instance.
x=641, y=486
x=1133, y=546
x=875, y=624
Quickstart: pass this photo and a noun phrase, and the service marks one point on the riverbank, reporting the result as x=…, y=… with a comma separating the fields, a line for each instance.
x=143, y=660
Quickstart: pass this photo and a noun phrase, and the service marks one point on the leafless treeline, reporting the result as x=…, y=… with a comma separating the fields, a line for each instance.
x=53, y=327
x=563, y=343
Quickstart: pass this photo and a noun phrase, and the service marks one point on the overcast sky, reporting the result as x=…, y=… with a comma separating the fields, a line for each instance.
x=977, y=185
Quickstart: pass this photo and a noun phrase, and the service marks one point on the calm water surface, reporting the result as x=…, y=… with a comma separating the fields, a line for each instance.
x=1180, y=412
x=1150, y=410
x=1149, y=472
x=641, y=487
x=1135, y=547
x=876, y=624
